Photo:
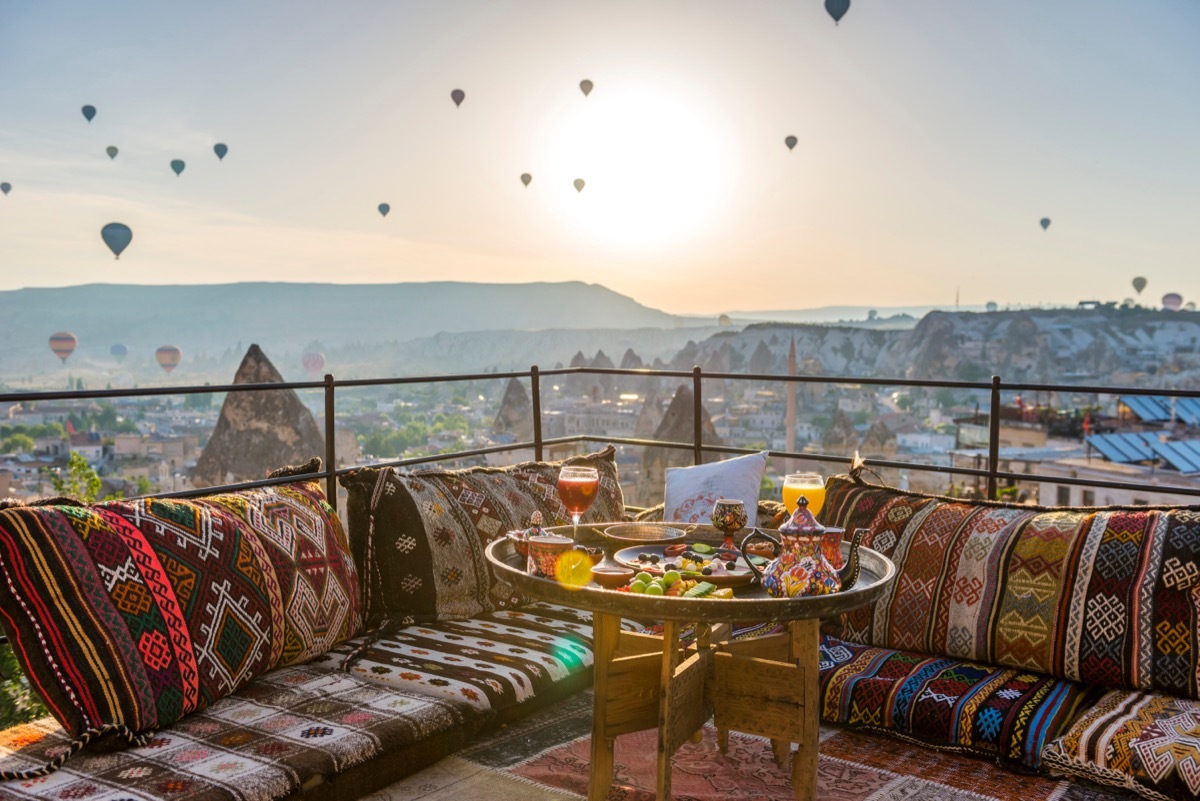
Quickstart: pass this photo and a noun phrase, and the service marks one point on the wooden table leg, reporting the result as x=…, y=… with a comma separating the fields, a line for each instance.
x=670, y=660
x=605, y=634
x=805, y=651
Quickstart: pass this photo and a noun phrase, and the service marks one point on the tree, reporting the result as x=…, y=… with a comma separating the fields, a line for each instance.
x=17, y=443
x=78, y=481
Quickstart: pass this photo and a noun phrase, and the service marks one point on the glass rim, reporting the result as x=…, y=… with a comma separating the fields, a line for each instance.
x=804, y=475
x=578, y=469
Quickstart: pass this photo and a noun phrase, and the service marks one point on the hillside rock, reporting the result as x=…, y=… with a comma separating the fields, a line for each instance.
x=676, y=426
x=258, y=432
x=515, y=415
x=840, y=437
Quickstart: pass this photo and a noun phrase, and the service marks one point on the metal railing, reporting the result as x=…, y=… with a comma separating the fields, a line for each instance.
x=991, y=473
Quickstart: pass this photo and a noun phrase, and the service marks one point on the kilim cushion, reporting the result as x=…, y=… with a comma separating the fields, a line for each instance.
x=294, y=727
x=420, y=536
x=1007, y=715
x=1145, y=742
x=136, y=613
x=1103, y=596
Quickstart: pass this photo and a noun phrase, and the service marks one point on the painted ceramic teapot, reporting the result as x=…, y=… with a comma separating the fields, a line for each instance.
x=807, y=557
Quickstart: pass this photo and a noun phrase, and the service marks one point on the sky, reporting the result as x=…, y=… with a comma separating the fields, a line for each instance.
x=932, y=137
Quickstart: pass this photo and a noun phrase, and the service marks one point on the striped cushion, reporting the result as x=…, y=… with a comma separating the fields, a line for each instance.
x=136, y=613
x=493, y=662
x=1007, y=715
x=1099, y=596
x=293, y=727
x=1145, y=742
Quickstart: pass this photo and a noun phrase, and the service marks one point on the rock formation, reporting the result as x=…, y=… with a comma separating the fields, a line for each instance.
x=515, y=415
x=840, y=437
x=258, y=432
x=676, y=426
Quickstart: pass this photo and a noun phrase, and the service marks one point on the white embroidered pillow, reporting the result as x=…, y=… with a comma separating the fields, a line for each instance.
x=692, y=491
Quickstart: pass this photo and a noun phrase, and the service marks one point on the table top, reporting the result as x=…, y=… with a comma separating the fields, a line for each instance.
x=749, y=604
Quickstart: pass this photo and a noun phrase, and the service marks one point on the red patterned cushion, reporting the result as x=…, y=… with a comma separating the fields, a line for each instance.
x=1102, y=596
x=1003, y=714
x=427, y=531
x=137, y=613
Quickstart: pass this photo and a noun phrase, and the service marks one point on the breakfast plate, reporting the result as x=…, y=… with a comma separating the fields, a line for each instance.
x=653, y=560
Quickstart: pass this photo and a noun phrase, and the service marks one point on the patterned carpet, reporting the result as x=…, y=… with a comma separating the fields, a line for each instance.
x=546, y=757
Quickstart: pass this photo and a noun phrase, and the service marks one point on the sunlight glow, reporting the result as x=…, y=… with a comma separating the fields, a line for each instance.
x=656, y=167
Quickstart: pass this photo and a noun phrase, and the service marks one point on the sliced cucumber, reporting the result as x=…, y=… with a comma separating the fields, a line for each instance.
x=700, y=547
x=700, y=590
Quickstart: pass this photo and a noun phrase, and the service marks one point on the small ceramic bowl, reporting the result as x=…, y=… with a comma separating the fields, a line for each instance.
x=612, y=576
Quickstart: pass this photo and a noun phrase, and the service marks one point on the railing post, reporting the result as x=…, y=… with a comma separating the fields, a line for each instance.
x=330, y=445
x=993, y=439
x=697, y=425
x=535, y=390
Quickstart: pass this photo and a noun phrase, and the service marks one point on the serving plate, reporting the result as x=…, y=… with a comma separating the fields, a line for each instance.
x=645, y=533
x=740, y=575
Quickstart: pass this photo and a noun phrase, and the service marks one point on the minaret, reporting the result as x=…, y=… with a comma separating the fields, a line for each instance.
x=790, y=417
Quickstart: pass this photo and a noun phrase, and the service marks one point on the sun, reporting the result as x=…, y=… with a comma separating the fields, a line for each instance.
x=655, y=167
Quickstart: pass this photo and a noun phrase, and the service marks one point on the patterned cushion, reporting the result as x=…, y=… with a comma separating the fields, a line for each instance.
x=692, y=491
x=1100, y=596
x=494, y=662
x=1004, y=714
x=1145, y=742
x=420, y=536
x=284, y=730
x=137, y=613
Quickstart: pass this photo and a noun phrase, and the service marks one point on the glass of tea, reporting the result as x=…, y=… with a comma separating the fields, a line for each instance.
x=808, y=485
x=577, y=489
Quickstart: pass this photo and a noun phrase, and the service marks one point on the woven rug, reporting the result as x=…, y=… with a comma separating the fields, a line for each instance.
x=547, y=756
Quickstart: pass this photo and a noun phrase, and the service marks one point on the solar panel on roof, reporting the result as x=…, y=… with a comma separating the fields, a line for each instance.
x=1188, y=410
x=1182, y=455
x=1150, y=408
x=1124, y=448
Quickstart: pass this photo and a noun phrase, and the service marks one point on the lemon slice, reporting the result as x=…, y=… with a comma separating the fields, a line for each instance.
x=574, y=569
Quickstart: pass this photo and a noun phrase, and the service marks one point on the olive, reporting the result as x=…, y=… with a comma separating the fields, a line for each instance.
x=670, y=566
x=706, y=571
x=654, y=559
x=642, y=557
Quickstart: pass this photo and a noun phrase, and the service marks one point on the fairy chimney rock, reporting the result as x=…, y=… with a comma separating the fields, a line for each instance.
x=258, y=432
x=676, y=426
x=515, y=415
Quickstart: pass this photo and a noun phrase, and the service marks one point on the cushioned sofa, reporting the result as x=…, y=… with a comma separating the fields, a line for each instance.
x=1039, y=638
x=232, y=647
x=1048, y=639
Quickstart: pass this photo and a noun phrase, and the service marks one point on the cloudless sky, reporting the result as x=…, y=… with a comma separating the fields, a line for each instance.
x=932, y=138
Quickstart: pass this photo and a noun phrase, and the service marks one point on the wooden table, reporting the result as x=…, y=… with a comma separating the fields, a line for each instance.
x=765, y=686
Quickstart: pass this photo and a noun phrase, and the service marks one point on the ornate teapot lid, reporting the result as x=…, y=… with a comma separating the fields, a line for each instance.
x=535, y=525
x=802, y=521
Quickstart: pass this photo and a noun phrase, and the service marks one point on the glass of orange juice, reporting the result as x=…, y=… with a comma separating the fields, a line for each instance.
x=807, y=485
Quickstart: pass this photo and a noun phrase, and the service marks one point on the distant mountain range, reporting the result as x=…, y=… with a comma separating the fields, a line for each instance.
x=368, y=331
x=205, y=321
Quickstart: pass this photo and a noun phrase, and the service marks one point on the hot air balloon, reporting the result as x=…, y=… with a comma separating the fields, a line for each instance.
x=458, y=95
x=220, y=149
x=177, y=165
x=112, y=151
x=837, y=9
x=585, y=86
x=1139, y=284
x=1172, y=301
x=313, y=361
x=384, y=208
x=117, y=236
x=1045, y=223
x=526, y=178
x=5, y=187
x=63, y=344
x=790, y=141
x=168, y=357
x=88, y=112
x=579, y=184
x=119, y=352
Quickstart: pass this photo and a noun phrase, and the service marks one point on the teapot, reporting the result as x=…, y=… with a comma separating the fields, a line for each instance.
x=807, y=557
